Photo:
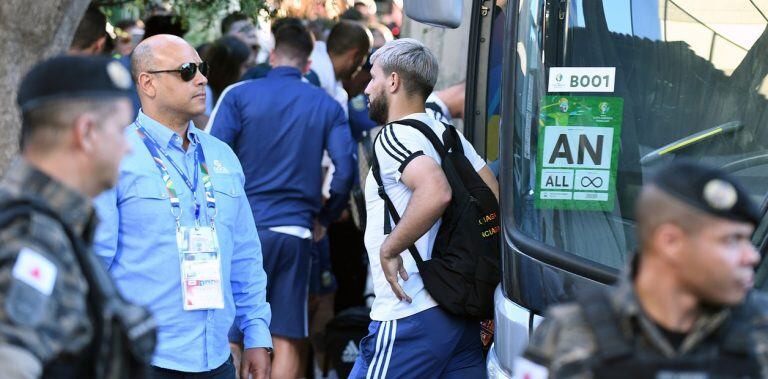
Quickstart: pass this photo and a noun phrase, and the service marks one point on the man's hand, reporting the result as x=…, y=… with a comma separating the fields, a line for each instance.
x=392, y=265
x=256, y=362
x=318, y=231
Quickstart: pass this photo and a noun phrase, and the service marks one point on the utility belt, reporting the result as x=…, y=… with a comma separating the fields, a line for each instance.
x=728, y=353
x=125, y=334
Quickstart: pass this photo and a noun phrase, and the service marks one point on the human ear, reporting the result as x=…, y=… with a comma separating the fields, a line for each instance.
x=146, y=85
x=84, y=132
x=393, y=82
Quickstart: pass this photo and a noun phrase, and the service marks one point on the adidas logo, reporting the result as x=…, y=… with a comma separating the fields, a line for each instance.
x=350, y=352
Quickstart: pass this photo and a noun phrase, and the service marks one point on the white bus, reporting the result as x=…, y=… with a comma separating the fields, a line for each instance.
x=576, y=102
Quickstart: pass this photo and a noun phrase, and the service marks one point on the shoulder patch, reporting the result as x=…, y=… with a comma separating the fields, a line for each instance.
x=35, y=270
x=525, y=368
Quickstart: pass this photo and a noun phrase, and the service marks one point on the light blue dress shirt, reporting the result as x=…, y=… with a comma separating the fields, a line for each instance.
x=137, y=242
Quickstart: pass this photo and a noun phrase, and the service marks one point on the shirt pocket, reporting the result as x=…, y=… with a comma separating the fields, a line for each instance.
x=147, y=206
x=229, y=194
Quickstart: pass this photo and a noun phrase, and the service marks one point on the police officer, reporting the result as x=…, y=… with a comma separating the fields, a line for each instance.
x=684, y=309
x=74, y=110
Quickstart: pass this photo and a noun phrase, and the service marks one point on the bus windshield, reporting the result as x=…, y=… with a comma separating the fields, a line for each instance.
x=606, y=91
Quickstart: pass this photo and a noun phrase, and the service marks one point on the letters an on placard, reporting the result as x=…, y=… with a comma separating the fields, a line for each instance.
x=578, y=152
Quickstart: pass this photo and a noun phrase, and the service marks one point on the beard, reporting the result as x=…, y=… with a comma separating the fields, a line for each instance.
x=378, y=109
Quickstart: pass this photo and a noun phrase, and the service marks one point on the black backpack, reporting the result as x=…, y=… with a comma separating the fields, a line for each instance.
x=464, y=269
x=125, y=333
x=342, y=338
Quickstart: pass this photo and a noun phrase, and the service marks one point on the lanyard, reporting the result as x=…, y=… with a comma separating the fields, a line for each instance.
x=154, y=148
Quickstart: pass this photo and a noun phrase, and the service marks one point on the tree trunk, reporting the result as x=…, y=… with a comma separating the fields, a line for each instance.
x=30, y=30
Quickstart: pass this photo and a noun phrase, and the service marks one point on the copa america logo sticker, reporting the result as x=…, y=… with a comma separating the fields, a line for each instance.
x=720, y=194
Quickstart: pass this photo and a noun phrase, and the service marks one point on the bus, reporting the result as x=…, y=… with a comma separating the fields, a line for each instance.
x=576, y=102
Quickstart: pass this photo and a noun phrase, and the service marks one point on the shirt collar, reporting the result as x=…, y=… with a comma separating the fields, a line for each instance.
x=163, y=134
x=284, y=71
x=75, y=208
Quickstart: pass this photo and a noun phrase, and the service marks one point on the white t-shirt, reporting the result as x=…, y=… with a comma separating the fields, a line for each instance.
x=395, y=147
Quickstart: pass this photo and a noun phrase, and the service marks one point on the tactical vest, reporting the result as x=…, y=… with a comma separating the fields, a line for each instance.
x=727, y=353
x=124, y=334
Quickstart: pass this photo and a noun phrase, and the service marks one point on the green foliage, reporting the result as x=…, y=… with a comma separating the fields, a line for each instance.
x=201, y=17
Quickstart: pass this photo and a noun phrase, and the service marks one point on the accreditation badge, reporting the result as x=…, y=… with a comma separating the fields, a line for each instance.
x=200, y=268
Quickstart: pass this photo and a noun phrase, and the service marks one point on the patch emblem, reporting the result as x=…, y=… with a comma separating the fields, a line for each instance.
x=358, y=103
x=29, y=294
x=119, y=75
x=720, y=194
x=35, y=270
x=219, y=168
x=525, y=368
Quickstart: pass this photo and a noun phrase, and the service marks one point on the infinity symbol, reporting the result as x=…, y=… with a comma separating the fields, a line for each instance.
x=596, y=182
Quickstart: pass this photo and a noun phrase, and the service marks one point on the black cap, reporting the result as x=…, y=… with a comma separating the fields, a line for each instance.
x=73, y=77
x=708, y=189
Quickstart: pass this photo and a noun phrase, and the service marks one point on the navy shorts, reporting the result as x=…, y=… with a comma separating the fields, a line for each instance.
x=429, y=344
x=286, y=262
x=321, y=278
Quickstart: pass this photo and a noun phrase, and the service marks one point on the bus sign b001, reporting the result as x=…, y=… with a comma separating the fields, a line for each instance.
x=581, y=79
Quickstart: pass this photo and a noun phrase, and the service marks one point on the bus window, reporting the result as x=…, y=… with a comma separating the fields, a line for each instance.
x=687, y=80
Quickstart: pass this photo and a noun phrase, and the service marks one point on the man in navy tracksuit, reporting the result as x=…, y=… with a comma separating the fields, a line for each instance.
x=279, y=126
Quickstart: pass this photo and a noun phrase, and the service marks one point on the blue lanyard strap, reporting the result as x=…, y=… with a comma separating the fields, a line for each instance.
x=200, y=166
x=210, y=199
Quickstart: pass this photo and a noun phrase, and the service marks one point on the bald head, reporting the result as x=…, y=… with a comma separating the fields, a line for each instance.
x=153, y=52
x=163, y=91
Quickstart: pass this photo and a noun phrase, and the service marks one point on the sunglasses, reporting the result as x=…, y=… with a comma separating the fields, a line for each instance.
x=187, y=71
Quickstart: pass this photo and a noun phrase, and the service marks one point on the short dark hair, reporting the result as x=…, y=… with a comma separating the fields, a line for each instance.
x=353, y=14
x=42, y=125
x=294, y=42
x=164, y=24
x=92, y=26
x=226, y=55
x=348, y=35
x=232, y=18
x=285, y=21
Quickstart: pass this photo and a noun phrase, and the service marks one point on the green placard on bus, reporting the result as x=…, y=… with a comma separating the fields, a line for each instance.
x=578, y=152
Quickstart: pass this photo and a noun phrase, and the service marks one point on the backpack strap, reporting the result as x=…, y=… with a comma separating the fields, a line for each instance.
x=604, y=323
x=426, y=131
x=390, y=206
x=451, y=139
x=441, y=149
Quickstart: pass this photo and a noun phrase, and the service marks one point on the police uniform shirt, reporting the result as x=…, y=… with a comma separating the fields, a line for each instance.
x=396, y=146
x=42, y=290
x=565, y=344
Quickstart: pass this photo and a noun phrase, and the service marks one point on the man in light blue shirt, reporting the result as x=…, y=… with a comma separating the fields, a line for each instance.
x=179, y=178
